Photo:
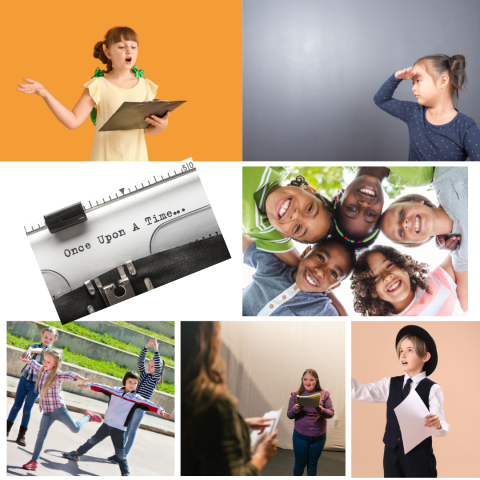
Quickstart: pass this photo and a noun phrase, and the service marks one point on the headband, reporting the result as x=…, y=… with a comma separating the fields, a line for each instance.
x=350, y=240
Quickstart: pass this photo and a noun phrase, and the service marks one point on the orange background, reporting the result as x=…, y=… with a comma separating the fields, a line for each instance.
x=191, y=49
x=374, y=357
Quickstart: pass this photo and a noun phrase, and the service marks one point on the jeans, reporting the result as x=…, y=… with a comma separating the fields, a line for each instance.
x=132, y=429
x=307, y=451
x=118, y=439
x=25, y=393
x=62, y=415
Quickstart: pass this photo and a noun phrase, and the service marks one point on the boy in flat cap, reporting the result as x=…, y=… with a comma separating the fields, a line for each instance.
x=417, y=354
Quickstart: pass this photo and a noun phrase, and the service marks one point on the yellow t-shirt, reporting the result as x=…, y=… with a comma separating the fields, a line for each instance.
x=123, y=145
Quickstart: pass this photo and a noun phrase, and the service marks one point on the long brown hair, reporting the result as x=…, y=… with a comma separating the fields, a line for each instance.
x=314, y=374
x=114, y=35
x=202, y=369
x=52, y=376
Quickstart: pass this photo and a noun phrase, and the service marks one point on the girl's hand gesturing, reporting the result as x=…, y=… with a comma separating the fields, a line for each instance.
x=297, y=407
x=432, y=420
x=32, y=87
x=158, y=123
x=150, y=343
x=405, y=74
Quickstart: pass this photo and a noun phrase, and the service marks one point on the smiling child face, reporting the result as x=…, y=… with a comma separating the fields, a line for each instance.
x=298, y=214
x=392, y=283
x=410, y=362
x=151, y=367
x=408, y=222
x=323, y=268
x=47, y=338
x=309, y=382
x=425, y=88
x=123, y=54
x=48, y=362
x=361, y=206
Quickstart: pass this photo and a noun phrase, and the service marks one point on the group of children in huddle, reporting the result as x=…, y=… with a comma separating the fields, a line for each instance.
x=384, y=280
x=127, y=405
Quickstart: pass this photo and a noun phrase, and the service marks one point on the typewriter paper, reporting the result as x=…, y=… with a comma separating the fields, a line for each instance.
x=411, y=415
x=154, y=220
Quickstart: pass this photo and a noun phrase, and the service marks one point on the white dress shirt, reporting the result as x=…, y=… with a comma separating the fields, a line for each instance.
x=378, y=393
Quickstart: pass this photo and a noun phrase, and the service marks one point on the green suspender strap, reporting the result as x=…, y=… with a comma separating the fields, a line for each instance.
x=100, y=73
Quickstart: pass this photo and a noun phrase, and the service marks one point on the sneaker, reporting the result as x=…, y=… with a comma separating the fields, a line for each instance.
x=94, y=417
x=113, y=459
x=72, y=456
x=31, y=465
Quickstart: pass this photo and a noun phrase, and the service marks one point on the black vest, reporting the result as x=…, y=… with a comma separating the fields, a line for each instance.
x=395, y=398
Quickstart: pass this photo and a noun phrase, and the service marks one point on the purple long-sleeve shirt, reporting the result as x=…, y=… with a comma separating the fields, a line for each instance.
x=308, y=421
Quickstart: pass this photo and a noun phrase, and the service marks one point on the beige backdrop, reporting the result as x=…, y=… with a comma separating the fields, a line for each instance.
x=265, y=361
x=374, y=357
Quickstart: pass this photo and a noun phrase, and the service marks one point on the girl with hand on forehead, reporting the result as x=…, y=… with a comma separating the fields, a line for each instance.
x=437, y=130
x=103, y=95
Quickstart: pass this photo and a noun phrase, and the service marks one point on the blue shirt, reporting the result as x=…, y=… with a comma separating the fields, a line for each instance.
x=454, y=141
x=27, y=372
x=271, y=278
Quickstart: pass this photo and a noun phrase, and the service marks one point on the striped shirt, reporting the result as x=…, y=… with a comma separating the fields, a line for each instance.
x=27, y=372
x=257, y=182
x=148, y=382
x=443, y=302
x=52, y=400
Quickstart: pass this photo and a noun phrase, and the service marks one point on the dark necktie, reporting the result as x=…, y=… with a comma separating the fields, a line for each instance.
x=406, y=388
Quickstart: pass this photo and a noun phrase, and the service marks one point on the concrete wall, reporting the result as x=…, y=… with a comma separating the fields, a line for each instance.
x=14, y=368
x=128, y=335
x=164, y=328
x=84, y=346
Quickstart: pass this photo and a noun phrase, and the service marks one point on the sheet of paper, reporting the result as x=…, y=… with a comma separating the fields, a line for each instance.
x=256, y=438
x=411, y=415
x=129, y=229
x=309, y=401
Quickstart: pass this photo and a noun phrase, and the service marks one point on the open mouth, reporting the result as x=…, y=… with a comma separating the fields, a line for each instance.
x=367, y=190
x=404, y=362
x=418, y=224
x=128, y=60
x=309, y=279
x=394, y=286
x=283, y=206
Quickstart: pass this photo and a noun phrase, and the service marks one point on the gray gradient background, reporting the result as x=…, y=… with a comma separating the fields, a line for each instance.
x=312, y=67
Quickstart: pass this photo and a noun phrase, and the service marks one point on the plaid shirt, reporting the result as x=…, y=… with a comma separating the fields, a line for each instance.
x=53, y=399
x=27, y=372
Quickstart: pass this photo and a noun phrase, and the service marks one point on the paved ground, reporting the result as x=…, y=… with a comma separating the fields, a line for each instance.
x=60, y=439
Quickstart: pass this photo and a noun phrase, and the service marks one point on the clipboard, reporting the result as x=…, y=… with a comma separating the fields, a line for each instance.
x=131, y=115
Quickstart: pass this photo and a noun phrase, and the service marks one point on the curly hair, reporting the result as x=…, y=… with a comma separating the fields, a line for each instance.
x=327, y=206
x=366, y=299
x=348, y=248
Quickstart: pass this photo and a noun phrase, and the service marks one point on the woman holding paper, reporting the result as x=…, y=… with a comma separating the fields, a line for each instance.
x=309, y=406
x=215, y=437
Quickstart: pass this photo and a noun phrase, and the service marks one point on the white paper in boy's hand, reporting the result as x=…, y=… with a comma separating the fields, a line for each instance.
x=411, y=415
x=256, y=438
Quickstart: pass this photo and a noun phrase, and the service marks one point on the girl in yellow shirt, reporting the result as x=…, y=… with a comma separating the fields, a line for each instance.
x=103, y=95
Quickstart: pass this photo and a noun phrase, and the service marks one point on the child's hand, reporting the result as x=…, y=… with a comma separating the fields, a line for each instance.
x=319, y=409
x=155, y=344
x=432, y=420
x=444, y=243
x=166, y=415
x=26, y=354
x=88, y=379
x=24, y=359
x=150, y=343
x=158, y=123
x=81, y=385
x=406, y=74
x=297, y=407
x=32, y=87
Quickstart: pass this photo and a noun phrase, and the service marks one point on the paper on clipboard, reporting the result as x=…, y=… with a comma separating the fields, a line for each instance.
x=256, y=438
x=411, y=415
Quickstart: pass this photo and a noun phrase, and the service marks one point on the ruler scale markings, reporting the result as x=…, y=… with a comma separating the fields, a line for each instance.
x=31, y=229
